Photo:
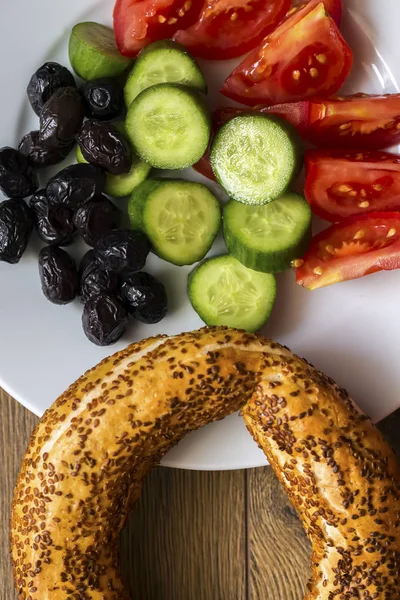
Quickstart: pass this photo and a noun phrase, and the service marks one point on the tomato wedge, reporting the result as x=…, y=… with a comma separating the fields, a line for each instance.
x=356, y=247
x=358, y=121
x=342, y=183
x=230, y=28
x=139, y=22
x=305, y=56
x=333, y=7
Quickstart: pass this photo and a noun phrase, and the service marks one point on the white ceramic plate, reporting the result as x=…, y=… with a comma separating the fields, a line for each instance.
x=351, y=330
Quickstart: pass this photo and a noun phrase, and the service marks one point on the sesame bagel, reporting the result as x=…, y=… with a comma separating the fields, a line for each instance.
x=90, y=452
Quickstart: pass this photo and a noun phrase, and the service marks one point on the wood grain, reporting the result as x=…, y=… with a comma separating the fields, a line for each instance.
x=277, y=546
x=193, y=535
x=186, y=537
x=16, y=425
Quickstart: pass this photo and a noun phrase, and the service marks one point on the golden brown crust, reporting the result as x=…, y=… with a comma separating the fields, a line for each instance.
x=91, y=450
x=339, y=473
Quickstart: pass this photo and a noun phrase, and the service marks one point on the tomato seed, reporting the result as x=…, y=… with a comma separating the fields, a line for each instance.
x=391, y=232
x=364, y=204
x=299, y=262
x=360, y=233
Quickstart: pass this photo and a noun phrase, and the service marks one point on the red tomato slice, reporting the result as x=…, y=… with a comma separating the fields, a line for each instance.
x=230, y=28
x=356, y=247
x=359, y=121
x=333, y=7
x=305, y=56
x=139, y=22
x=342, y=183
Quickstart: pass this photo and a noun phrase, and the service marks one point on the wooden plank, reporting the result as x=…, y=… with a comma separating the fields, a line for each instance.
x=16, y=425
x=186, y=537
x=277, y=546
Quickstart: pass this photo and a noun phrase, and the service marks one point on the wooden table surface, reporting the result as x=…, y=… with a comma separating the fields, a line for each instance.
x=193, y=535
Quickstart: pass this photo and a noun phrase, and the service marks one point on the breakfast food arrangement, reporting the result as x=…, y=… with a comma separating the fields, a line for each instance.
x=128, y=116
x=132, y=121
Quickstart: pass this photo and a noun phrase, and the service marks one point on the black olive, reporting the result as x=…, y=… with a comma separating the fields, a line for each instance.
x=95, y=218
x=54, y=223
x=15, y=229
x=45, y=81
x=123, y=250
x=42, y=154
x=17, y=178
x=88, y=259
x=103, y=145
x=58, y=275
x=103, y=98
x=104, y=319
x=94, y=280
x=61, y=117
x=75, y=185
x=145, y=297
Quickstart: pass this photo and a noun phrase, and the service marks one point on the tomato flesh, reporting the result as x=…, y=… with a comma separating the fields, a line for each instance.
x=356, y=247
x=343, y=183
x=353, y=122
x=230, y=28
x=140, y=22
x=359, y=121
x=305, y=56
x=333, y=7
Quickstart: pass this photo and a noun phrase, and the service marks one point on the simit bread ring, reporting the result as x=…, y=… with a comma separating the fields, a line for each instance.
x=88, y=456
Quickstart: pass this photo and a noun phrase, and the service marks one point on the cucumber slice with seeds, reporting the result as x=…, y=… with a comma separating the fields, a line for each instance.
x=181, y=218
x=163, y=62
x=93, y=52
x=225, y=292
x=120, y=186
x=137, y=203
x=267, y=238
x=255, y=157
x=169, y=126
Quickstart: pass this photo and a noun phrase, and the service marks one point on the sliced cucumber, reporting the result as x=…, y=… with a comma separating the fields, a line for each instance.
x=255, y=157
x=163, y=62
x=181, y=218
x=119, y=186
x=169, y=126
x=225, y=292
x=267, y=238
x=93, y=52
x=137, y=203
